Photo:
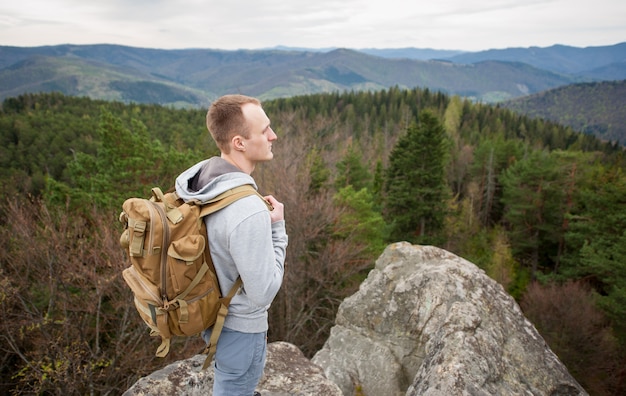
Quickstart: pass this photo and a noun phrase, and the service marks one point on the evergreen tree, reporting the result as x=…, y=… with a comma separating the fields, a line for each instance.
x=491, y=158
x=318, y=171
x=352, y=171
x=529, y=189
x=377, y=184
x=538, y=198
x=597, y=234
x=415, y=185
x=359, y=222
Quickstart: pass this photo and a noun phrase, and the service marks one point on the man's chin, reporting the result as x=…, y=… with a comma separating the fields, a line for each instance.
x=267, y=159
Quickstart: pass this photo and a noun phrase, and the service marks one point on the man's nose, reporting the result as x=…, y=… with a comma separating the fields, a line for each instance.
x=273, y=135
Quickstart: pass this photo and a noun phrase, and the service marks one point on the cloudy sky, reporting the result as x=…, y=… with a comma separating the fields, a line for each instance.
x=470, y=25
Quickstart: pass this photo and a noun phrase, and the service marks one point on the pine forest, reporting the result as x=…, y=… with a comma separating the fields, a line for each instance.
x=538, y=206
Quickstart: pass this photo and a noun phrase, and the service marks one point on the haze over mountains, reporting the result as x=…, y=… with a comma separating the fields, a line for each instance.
x=194, y=77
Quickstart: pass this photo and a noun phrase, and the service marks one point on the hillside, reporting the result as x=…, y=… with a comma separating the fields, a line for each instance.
x=558, y=58
x=593, y=108
x=195, y=76
x=91, y=78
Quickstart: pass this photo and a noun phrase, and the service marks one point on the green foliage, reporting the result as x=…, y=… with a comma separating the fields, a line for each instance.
x=41, y=134
x=378, y=183
x=530, y=197
x=488, y=248
x=359, y=221
x=319, y=172
x=531, y=192
x=352, y=171
x=541, y=192
x=491, y=159
x=539, y=195
x=599, y=224
x=415, y=185
x=126, y=161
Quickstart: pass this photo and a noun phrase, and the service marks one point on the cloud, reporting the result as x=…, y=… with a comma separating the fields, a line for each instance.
x=443, y=24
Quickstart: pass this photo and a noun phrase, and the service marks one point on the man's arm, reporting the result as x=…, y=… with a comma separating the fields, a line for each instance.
x=258, y=247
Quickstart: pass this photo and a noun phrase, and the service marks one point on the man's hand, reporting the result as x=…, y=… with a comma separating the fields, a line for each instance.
x=279, y=209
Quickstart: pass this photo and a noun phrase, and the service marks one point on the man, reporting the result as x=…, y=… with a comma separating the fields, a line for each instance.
x=246, y=239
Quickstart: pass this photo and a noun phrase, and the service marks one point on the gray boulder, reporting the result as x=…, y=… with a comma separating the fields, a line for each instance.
x=427, y=322
x=287, y=372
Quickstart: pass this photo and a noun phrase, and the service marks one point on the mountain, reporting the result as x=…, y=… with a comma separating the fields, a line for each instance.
x=600, y=63
x=411, y=53
x=597, y=108
x=559, y=59
x=393, y=53
x=194, y=77
x=85, y=77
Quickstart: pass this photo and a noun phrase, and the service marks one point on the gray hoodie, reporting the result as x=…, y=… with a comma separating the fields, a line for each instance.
x=243, y=241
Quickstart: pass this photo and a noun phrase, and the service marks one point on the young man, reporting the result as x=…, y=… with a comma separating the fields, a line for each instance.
x=246, y=240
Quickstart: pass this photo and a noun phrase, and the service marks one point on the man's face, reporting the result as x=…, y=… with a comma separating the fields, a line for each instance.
x=259, y=142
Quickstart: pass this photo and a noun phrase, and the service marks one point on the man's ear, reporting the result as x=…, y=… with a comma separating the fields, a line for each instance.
x=238, y=143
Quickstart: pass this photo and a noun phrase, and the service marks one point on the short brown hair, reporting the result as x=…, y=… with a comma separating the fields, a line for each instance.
x=225, y=119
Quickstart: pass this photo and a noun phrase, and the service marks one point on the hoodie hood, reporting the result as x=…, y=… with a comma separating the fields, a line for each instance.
x=209, y=178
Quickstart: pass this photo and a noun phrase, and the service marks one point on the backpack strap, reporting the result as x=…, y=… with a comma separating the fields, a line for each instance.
x=219, y=323
x=228, y=197
x=180, y=299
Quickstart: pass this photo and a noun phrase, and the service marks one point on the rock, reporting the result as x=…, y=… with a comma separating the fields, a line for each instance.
x=424, y=322
x=287, y=372
x=427, y=322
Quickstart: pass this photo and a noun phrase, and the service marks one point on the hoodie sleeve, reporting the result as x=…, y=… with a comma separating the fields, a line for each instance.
x=258, y=249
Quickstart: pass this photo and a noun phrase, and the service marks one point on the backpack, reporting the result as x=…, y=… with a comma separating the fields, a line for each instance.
x=171, y=275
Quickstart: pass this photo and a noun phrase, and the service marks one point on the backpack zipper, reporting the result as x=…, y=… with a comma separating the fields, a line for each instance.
x=199, y=296
x=151, y=240
x=145, y=286
x=166, y=242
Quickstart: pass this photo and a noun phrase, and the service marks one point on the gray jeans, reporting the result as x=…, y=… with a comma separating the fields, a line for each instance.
x=239, y=362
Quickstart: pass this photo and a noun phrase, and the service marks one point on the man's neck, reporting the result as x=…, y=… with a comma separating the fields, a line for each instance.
x=239, y=161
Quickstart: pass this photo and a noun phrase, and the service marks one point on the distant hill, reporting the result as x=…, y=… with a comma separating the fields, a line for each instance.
x=85, y=77
x=560, y=59
x=600, y=63
x=594, y=108
x=194, y=77
x=392, y=53
x=411, y=53
x=613, y=71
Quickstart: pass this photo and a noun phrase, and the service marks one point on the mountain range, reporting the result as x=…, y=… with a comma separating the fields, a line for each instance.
x=194, y=77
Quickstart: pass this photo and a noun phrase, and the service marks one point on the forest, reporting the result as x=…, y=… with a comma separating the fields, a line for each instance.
x=540, y=207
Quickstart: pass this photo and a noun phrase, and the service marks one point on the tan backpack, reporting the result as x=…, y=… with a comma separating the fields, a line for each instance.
x=172, y=276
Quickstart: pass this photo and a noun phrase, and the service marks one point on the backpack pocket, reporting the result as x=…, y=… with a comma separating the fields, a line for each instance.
x=143, y=289
x=197, y=314
x=184, y=259
x=196, y=299
x=147, y=301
